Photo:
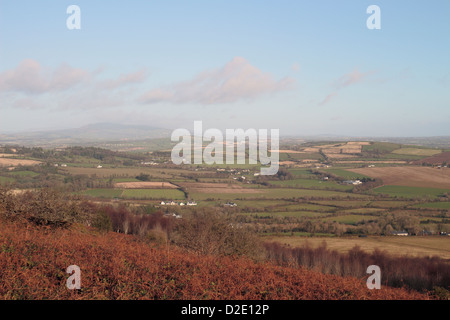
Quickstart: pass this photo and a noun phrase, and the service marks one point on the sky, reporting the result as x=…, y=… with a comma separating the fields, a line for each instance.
x=303, y=67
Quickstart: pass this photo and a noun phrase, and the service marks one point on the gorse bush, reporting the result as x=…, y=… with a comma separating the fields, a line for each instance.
x=46, y=207
x=212, y=233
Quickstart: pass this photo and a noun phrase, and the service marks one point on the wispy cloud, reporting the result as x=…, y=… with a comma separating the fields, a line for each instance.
x=328, y=98
x=351, y=78
x=237, y=80
x=31, y=85
x=345, y=81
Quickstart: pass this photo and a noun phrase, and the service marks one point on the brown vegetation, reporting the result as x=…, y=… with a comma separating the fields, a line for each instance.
x=409, y=176
x=33, y=263
x=438, y=159
x=416, y=273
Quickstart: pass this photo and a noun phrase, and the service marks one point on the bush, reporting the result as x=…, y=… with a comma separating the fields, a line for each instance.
x=211, y=233
x=102, y=222
x=45, y=207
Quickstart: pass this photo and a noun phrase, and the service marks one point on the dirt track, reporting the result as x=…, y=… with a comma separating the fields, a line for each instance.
x=410, y=176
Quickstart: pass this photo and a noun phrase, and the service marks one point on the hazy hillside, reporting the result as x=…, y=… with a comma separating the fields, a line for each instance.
x=86, y=135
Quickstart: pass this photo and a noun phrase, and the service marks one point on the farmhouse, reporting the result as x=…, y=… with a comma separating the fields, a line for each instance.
x=230, y=204
x=354, y=182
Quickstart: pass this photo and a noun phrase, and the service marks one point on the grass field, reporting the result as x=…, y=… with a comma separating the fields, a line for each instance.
x=295, y=214
x=7, y=179
x=346, y=174
x=312, y=183
x=417, y=151
x=275, y=193
x=434, y=205
x=351, y=218
x=24, y=173
x=413, y=246
x=381, y=147
x=164, y=194
x=411, y=192
x=301, y=173
x=344, y=203
x=115, y=180
x=103, y=193
x=309, y=207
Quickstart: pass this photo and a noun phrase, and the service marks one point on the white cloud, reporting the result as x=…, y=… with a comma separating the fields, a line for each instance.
x=32, y=86
x=237, y=80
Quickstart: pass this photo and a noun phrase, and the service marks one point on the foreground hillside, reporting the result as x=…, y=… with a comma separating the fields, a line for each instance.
x=33, y=263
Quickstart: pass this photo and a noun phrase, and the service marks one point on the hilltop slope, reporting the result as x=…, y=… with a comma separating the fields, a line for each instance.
x=33, y=262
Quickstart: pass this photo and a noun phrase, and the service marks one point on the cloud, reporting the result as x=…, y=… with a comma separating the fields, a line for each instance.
x=30, y=77
x=295, y=67
x=345, y=81
x=31, y=86
x=351, y=78
x=125, y=79
x=328, y=98
x=237, y=80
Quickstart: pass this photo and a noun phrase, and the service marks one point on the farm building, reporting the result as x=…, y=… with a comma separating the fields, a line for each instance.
x=400, y=233
x=354, y=182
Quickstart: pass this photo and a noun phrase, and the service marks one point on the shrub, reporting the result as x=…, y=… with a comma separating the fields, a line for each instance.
x=212, y=233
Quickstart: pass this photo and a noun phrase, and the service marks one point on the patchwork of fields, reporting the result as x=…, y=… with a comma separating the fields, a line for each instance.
x=310, y=196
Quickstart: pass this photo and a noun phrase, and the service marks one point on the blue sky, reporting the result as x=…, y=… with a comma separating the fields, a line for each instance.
x=304, y=67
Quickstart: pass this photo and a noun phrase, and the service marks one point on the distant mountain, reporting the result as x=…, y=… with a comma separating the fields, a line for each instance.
x=93, y=133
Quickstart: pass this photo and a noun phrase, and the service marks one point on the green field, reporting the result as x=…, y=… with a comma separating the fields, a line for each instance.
x=301, y=173
x=163, y=194
x=103, y=193
x=24, y=173
x=363, y=210
x=411, y=192
x=351, y=218
x=126, y=180
x=345, y=174
x=312, y=183
x=7, y=180
x=434, y=205
x=417, y=151
x=296, y=214
x=308, y=207
x=344, y=203
x=381, y=147
x=275, y=193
